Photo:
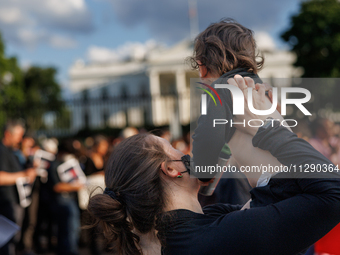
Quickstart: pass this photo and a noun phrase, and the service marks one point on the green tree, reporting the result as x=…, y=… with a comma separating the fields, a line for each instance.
x=42, y=95
x=314, y=36
x=29, y=94
x=11, y=87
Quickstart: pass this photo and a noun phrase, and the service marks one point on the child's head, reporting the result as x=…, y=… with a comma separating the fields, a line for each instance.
x=224, y=46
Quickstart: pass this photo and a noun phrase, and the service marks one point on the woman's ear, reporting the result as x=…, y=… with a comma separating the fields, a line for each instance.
x=169, y=171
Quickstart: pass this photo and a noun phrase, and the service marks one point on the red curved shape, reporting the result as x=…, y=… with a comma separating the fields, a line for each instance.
x=213, y=90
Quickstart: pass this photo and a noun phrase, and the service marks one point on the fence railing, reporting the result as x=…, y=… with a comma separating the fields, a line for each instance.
x=106, y=112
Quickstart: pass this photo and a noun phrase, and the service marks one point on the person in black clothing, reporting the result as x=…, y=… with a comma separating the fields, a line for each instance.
x=150, y=205
x=10, y=171
x=224, y=49
x=149, y=192
x=233, y=190
x=94, y=165
x=63, y=202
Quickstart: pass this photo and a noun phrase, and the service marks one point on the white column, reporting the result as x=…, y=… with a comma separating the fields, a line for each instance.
x=183, y=102
x=155, y=91
x=154, y=83
x=180, y=81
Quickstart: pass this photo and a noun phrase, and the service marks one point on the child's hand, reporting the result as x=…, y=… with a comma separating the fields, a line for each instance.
x=260, y=102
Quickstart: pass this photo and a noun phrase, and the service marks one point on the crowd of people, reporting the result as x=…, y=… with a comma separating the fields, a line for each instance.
x=52, y=221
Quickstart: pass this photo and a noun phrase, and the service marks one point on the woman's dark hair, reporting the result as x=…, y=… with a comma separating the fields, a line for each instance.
x=133, y=175
x=224, y=46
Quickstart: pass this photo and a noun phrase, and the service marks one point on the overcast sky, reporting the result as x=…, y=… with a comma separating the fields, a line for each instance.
x=58, y=32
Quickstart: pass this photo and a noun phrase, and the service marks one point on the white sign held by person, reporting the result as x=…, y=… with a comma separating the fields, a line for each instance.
x=71, y=171
x=24, y=188
x=44, y=160
x=95, y=184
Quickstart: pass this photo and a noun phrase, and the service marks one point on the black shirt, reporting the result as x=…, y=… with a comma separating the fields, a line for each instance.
x=53, y=179
x=8, y=163
x=285, y=227
x=90, y=167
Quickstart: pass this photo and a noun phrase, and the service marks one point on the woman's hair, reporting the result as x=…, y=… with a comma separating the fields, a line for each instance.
x=224, y=46
x=133, y=175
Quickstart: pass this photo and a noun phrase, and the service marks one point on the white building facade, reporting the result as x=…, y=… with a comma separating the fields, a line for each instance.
x=152, y=91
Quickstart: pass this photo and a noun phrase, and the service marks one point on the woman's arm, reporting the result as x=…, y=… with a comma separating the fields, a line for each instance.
x=292, y=151
x=289, y=226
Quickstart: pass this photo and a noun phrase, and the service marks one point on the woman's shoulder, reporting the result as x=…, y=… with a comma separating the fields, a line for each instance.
x=186, y=220
x=186, y=232
x=220, y=209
